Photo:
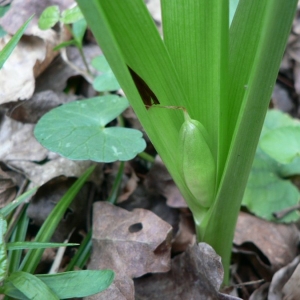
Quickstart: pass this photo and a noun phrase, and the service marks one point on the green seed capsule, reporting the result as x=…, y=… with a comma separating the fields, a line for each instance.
x=196, y=161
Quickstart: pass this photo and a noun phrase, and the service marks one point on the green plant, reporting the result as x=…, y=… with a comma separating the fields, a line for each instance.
x=269, y=189
x=17, y=278
x=10, y=46
x=223, y=75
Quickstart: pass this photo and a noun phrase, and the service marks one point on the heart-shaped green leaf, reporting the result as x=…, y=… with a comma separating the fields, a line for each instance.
x=77, y=131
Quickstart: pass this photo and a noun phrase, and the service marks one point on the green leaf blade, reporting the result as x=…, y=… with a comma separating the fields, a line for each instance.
x=10, y=46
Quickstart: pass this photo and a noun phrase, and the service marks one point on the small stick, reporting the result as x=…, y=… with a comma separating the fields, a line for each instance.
x=286, y=211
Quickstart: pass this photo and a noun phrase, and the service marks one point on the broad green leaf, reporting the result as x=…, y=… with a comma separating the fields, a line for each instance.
x=77, y=130
x=78, y=283
x=257, y=42
x=70, y=284
x=32, y=258
x=267, y=192
x=78, y=30
x=232, y=8
x=6, y=210
x=34, y=245
x=31, y=286
x=282, y=144
x=71, y=15
x=10, y=46
x=49, y=17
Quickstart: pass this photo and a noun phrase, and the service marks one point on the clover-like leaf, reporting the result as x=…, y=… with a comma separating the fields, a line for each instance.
x=77, y=131
x=107, y=80
x=49, y=17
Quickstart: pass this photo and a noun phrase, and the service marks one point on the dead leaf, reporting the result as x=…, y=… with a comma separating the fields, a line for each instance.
x=32, y=110
x=49, y=195
x=62, y=71
x=285, y=282
x=185, y=236
x=130, y=243
x=195, y=275
x=270, y=246
x=18, y=143
x=159, y=181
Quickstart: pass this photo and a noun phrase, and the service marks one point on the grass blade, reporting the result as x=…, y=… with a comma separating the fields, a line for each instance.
x=45, y=233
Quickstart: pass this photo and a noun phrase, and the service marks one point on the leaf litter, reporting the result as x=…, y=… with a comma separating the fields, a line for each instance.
x=148, y=238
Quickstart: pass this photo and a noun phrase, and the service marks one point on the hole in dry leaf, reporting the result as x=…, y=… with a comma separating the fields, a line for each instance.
x=135, y=227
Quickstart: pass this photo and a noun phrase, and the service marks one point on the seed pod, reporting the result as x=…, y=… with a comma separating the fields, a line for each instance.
x=196, y=161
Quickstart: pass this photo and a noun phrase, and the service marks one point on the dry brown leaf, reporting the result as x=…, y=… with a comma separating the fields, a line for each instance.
x=62, y=71
x=291, y=289
x=32, y=110
x=269, y=245
x=18, y=143
x=130, y=243
x=49, y=195
x=159, y=181
x=285, y=282
x=8, y=188
x=196, y=274
x=185, y=235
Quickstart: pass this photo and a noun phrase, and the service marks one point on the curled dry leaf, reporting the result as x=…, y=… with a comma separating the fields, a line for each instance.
x=196, y=274
x=285, y=282
x=269, y=246
x=130, y=243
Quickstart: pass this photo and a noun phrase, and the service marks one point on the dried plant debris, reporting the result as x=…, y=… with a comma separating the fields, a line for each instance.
x=195, y=274
x=32, y=110
x=49, y=195
x=266, y=246
x=130, y=243
x=159, y=181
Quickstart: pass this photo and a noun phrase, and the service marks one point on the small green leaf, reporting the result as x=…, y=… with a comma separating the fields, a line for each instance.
x=10, y=46
x=78, y=30
x=49, y=17
x=76, y=130
x=64, y=45
x=267, y=191
x=71, y=15
x=282, y=144
x=31, y=286
x=107, y=80
x=35, y=245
